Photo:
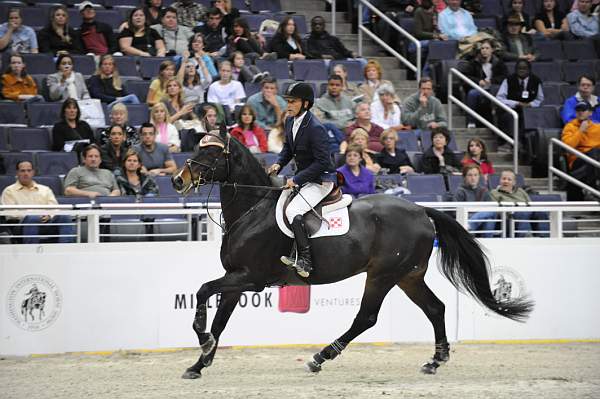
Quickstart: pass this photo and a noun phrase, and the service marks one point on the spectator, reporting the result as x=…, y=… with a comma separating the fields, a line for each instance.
x=348, y=88
x=25, y=191
x=241, y=40
x=520, y=90
x=208, y=115
x=595, y=6
x=485, y=70
x=16, y=37
x=178, y=110
x=176, y=37
x=373, y=79
x=244, y=73
x=229, y=14
x=392, y=157
x=215, y=36
x=582, y=23
x=365, y=122
x=320, y=44
x=516, y=12
x=477, y=154
x=425, y=30
x=17, y=84
x=583, y=134
x=585, y=91
x=198, y=56
x=456, y=22
x=551, y=22
x=394, y=9
x=423, y=110
x=334, y=109
x=472, y=191
x=277, y=135
x=439, y=158
x=357, y=178
x=508, y=191
x=518, y=45
x=119, y=116
x=195, y=79
x=113, y=152
x=189, y=13
x=287, y=42
x=70, y=132
x=267, y=104
x=58, y=37
x=89, y=180
x=96, y=37
x=138, y=39
x=66, y=83
x=248, y=132
x=130, y=178
x=158, y=87
x=155, y=156
x=226, y=91
x=153, y=10
x=386, y=112
x=360, y=138
x=106, y=84
x=165, y=132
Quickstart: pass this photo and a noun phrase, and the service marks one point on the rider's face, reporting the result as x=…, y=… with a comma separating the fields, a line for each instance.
x=293, y=106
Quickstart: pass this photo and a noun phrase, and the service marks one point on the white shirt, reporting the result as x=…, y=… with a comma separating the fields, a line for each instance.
x=227, y=94
x=378, y=115
x=296, y=125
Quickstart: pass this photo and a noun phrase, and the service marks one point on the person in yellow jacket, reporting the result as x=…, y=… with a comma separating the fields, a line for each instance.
x=584, y=135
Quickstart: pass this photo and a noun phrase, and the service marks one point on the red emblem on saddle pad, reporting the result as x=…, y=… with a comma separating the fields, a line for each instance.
x=335, y=222
x=294, y=299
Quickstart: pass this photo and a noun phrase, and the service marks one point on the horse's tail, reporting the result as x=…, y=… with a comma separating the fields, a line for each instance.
x=464, y=263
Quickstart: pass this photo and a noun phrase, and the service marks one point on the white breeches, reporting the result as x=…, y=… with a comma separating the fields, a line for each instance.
x=310, y=195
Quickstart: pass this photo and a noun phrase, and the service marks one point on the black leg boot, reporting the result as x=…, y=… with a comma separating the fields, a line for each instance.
x=303, y=263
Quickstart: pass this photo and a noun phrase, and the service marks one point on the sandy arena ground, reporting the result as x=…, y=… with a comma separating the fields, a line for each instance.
x=364, y=371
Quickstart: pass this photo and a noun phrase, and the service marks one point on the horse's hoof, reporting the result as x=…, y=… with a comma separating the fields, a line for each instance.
x=429, y=368
x=313, y=367
x=191, y=375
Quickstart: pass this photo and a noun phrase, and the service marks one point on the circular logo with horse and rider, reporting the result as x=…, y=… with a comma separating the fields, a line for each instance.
x=34, y=302
x=507, y=284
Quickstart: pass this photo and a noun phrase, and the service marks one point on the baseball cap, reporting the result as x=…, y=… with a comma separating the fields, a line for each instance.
x=85, y=4
x=583, y=106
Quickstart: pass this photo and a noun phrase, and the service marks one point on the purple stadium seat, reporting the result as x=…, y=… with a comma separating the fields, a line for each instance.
x=251, y=88
x=550, y=50
x=149, y=66
x=75, y=18
x=354, y=68
x=545, y=197
x=485, y=23
x=546, y=71
x=127, y=66
x=43, y=114
x=138, y=114
x=277, y=68
x=579, y=50
x=11, y=159
x=567, y=91
x=84, y=64
x=254, y=20
x=139, y=88
x=573, y=70
x=181, y=157
x=3, y=138
x=408, y=141
x=35, y=17
x=442, y=50
x=416, y=158
x=42, y=64
x=113, y=3
x=552, y=94
x=165, y=187
x=421, y=197
x=491, y=8
x=12, y=113
x=544, y=117
x=53, y=182
x=56, y=163
x=426, y=184
x=309, y=70
x=267, y=159
x=110, y=17
x=29, y=139
x=408, y=24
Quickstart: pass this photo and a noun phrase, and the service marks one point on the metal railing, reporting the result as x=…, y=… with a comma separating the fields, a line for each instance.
x=416, y=69
x=333, y=20
x=554, y=171
x=451, y=99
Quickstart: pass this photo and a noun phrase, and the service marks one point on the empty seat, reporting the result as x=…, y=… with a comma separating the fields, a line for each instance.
x=494, y=180
x=254, y=21
x=84, y=64
x=7, y=180
x=426, y=140
x=169, y=227
x=579, y=50
x=139, y=88
x=552, y=95
x=408, y=141
x=165, y=187
x=309, y=70
x=541, y=117
x=42, y=64
x=12, y=158
x=545, y=197
x=354, y=68
x=550, y=50
x=491, y=8
x=29, y=139
x=127, y=66
x=138, y=114
x=149, y=66
x=35, y=17
x=12, y=113
x=573, y=70
x=264, y=5
x=568, y=91
x=113, y=3
x=442, y=50
x=547, y=71
x=110, y=17
x=181, y=157
x=408, y=24
x=277, y=68
x=251, y=88
x=43, y=114
x=482, y=23
x=426, y=184
x=75, y=18
x=56, y=163
x=53, y=182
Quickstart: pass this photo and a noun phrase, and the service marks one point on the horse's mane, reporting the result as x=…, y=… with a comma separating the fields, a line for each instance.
x=252, y=172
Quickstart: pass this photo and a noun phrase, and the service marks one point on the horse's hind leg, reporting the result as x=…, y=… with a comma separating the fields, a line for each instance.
x=417, y=290
x=375, y=291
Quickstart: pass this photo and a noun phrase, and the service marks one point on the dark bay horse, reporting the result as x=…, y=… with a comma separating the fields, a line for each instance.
x=390, y=239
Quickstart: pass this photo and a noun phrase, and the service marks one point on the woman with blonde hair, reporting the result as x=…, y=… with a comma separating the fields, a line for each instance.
x=166, y=132
x=120, y=116
x=195, y=79
x=277, y=135
x=373, y=73
x=393, y=158
x=58, y=37
x=158, y=87
x=173, y=101
x=360, y=137
x=106, y=84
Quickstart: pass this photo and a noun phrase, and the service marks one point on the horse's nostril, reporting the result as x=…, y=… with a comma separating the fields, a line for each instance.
x=177, y=182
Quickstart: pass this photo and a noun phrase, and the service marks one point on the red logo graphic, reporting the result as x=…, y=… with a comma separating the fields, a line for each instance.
x=335, y=222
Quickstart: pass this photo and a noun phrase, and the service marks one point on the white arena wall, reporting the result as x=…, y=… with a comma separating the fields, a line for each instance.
x=113, y=296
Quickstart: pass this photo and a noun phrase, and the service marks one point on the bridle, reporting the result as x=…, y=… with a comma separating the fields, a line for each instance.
x=209, y=139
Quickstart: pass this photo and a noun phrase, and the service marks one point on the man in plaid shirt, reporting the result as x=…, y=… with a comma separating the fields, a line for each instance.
x=189, y=13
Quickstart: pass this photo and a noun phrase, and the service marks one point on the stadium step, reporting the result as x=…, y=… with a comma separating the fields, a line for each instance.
x=306, y=5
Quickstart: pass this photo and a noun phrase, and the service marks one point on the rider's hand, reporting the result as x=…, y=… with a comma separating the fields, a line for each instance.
x=273, y=169
x=290, y=183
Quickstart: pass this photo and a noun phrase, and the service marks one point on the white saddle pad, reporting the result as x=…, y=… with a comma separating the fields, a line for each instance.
x=336, y=215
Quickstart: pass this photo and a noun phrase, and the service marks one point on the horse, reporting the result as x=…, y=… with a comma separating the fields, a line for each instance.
x=35, y=301
x=390, y=239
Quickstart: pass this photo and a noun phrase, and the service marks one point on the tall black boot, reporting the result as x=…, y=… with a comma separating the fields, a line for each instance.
x=303, y=263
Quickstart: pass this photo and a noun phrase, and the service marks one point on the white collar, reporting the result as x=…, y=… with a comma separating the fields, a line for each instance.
x=298, y=119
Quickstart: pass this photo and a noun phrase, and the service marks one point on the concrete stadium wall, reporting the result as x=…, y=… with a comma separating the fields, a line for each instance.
x=141, y=296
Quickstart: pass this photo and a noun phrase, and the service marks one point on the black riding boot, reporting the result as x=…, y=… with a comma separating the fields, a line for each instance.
x=303, y=263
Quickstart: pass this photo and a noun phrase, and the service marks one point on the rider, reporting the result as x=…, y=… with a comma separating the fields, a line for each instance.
x=307, y=142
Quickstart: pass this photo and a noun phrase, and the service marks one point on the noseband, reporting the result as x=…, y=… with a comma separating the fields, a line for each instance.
x=209, y=139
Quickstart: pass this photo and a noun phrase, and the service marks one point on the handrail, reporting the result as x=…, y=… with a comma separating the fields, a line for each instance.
x=333, y=22
x=451, y=99
x=416, y=69
x=554, y=171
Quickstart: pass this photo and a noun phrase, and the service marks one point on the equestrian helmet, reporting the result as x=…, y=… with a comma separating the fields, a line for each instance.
x=302, y=91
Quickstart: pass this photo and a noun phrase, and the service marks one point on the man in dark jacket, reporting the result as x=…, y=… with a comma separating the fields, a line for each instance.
x=97, y=37
x=320, y=44
x=214, y=33
x=306, y=142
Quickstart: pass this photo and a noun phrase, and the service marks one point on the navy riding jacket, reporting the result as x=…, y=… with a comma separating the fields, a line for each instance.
x=310, y=150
